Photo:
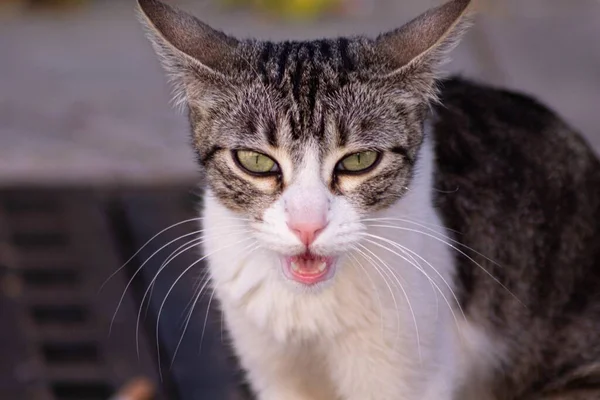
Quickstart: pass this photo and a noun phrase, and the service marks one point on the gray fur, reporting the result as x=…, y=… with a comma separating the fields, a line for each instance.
x=345, y=91
x=517, y=183
x=523, y=188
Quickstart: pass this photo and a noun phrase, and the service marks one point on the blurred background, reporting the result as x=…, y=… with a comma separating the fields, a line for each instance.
x=94, y=162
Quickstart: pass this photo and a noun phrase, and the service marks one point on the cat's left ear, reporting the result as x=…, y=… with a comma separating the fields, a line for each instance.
x=194, y=54
x=417, y=49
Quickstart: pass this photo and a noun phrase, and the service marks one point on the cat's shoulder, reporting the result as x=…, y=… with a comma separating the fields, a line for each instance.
x=484, y=107
x=476, y=125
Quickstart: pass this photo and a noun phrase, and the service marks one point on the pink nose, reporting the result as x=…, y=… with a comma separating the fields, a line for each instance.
x=307, y=231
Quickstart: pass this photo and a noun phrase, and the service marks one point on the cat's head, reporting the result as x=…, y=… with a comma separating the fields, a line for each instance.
x=306, y=138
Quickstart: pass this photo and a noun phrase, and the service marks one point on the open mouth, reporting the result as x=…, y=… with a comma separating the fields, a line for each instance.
x=308, y=269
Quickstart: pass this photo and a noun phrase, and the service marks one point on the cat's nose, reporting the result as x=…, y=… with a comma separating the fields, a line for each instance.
x=307, y=231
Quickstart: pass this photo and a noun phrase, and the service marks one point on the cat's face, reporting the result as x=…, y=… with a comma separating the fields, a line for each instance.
x=304, y=156
x=305, y=138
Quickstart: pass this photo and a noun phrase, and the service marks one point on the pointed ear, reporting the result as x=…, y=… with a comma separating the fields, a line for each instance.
x=421, y=45
x=190, y=50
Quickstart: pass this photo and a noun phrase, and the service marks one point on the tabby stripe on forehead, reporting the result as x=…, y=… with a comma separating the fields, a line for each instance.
x=297, y=75
x=325, y=50
x=293, y=125
x=271, y=133
x=265, y=55
x=342, y=133
x=250, y=126
x=322, y=125
x=347, y=63
x=282, y=61
x=313, y=88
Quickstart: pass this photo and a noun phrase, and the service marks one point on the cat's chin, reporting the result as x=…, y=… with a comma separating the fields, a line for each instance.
x=308, y=269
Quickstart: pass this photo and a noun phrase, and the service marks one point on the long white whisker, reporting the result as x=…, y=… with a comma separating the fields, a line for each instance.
x=404, y=248
x=252, y=249
x=157, y=331
x=444, y=236
x=458, y=250
x=137, y=271
x=434, y=284
x=385, y=280
x=154, y=237
x=412, y=262
x=200, y=283
x=405, y=296
x=222, y=314
x=206, y=320
x=189, y=245
x=190, y=313
x=167, y=261
x=187, y=320
x=176, y=253
x=374, y=287
x=425, y=225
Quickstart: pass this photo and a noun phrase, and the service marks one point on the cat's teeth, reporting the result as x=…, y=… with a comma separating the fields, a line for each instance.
x=295, y=266
x=322, y=266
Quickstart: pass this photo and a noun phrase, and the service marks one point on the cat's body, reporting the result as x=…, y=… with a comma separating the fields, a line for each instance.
x=368, y=243
x=523, y=188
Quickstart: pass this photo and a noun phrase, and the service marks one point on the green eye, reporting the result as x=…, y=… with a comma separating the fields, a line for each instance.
x=256, y=163
x=358, y=162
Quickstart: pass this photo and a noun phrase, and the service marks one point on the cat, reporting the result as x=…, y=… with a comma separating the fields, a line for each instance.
x=377, y=232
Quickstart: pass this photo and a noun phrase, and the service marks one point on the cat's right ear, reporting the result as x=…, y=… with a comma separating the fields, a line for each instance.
x=194, y=54
x=414, y=52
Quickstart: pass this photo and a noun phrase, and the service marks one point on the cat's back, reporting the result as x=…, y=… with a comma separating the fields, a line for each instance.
x=523, y=189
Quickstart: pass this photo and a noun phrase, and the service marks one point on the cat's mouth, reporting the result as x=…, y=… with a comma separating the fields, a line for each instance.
x=308, y=269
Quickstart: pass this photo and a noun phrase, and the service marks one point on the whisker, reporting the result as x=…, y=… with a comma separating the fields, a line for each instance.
x=405, y=296
x=195, y=301
x=176, y=253
x=403, y=249
x=157, y=330
x=137, y=271
x=426, y=225
x=458, y=250
x=205, y=321
x=154, y=237
x=165, y=262
x=412, y=262
x=374, y=287
x=455, y=297
x=199, y=283
x=444, y=236
x=385, y=280
x=190, y=245
x=255, y=247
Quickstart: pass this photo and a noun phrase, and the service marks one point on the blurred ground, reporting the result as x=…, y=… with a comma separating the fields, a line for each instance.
x=83, y=99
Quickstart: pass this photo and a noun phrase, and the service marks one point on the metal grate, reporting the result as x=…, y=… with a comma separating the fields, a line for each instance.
x=57, y=247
